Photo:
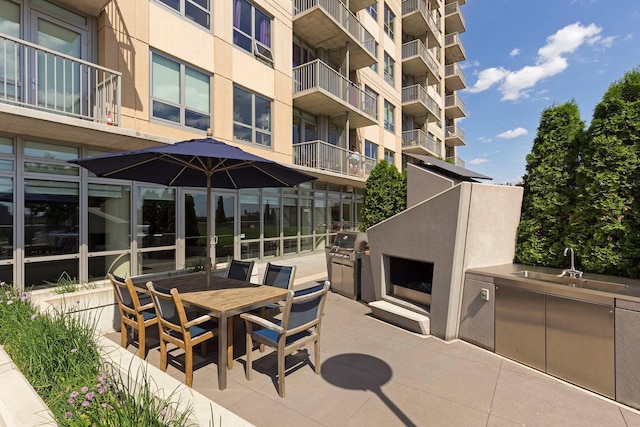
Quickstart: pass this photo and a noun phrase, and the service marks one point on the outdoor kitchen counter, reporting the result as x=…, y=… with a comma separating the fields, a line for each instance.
x=509, y=272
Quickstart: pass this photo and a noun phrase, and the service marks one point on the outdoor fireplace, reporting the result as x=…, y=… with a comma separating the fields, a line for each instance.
x=411, y=280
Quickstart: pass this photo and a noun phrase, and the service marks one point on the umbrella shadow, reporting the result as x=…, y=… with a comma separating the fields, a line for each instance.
x=345, y=371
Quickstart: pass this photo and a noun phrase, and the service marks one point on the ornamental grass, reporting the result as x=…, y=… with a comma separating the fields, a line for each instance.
x=58, y=354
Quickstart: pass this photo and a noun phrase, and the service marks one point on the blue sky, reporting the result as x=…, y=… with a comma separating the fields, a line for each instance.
x=524, y=56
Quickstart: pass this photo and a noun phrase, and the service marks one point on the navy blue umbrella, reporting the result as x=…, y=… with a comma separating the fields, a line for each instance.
x=195, y=163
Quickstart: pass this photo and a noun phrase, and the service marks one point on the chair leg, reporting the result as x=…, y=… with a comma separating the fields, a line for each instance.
x=249, y=367
x=142, y=348
x=316, y=355
x=188, y=365
x=124, y=335
x=163, y=355
x=281, y=373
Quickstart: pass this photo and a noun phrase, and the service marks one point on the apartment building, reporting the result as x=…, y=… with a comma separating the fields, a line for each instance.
x=326, y=87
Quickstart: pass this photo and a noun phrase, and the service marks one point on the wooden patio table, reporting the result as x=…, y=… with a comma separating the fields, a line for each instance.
x=224, y=299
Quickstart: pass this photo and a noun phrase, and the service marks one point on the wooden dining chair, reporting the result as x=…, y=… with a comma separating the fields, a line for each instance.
x=135, y=318
x=182, y=329
x=240, y=270
x=280, y=276
x=300, y=325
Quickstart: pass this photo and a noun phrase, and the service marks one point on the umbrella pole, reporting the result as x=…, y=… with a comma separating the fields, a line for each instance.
x=207, y=263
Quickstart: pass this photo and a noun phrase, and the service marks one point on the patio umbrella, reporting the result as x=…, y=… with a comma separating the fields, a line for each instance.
x=195, y=163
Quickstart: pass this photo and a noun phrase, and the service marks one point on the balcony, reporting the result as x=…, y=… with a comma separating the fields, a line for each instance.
x=330, y=25
x=453, y=49
x=37, y=78
x=416, y=20
x=416, y=61
x=453, y=19
x=454, y=107
x=417, y=141
x=454, y=136
x=457, y=161
x=454, y=78
x=320, y=90
x=460, y=2
x=417, y=102
x=356, y=5
x=328, y=157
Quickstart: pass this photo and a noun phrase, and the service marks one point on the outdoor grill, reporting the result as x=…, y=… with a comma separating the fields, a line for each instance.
x=344, y=260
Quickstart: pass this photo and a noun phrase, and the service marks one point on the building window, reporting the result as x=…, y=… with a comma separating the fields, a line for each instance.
x=389, y=64
x=199, y=11
x=389, y=17
x=389, y=111
x=370, y=149
x=389, y=156
x=373, y=11
x=251, y=117
x=252, y=30
x=179, y=93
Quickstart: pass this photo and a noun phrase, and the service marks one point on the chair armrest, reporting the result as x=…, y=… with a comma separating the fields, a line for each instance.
x=145, y=307
x=261, y=322
x=197, y=321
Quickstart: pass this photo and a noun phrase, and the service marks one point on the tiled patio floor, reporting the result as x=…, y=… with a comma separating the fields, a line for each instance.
x=375, y=374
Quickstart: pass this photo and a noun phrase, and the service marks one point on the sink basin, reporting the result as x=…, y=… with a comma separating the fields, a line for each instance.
x=570, y=281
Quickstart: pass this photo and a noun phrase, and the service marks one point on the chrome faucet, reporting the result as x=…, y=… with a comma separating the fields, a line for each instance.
x=571, y=272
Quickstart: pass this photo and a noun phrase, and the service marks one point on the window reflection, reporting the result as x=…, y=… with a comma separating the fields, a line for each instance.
x=156, y=217
x=109, y=211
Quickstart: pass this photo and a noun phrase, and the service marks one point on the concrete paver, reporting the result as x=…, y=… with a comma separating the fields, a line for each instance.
x=373, y=373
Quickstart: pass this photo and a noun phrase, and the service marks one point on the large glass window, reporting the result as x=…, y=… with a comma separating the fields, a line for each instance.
x=389, y=156
x=251, y=117
x=252, y=30
x=49, y=158
x=373, y=11
x=250, y=216
x=198, y=11
x=389, y=113
x=6, y=220
x=195, y=228
x=156, y=217
x=179, y=93
x=290, y=216
x=370, y=149
x=50, y=218
x=271, y=215
x=109, y=217
x=389, y=64
x=389, y=18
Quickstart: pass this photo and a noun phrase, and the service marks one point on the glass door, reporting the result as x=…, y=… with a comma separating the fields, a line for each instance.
x=224, y=224
x=58, y=79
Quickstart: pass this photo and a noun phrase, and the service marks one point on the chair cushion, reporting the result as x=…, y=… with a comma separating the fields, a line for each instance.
x=271, y=336
x=148, y=314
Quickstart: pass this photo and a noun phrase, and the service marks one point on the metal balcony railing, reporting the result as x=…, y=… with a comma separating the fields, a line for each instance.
x=419, y=138
x=322, y=155
x=455, y=70
x=454, y=132
x=410, y=6
x=35, y=77
x=418, y=93
x=417, y=48
x=454, y=101
x=454, y=39
x=452, y=8
x=317, y=74
x=341, y=14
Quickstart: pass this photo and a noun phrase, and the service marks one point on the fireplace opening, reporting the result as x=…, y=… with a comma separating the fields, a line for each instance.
x=411, y=280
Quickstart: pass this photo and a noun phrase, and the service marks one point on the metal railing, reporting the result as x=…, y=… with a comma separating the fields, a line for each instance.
x=419, y=93
x=419, y=138
x=455, y=70
x=454, y=38
x=410, y=6
x=452, y=8
x=417, y=48
x=35, y=77
x=456, y=161
x=343, y=16
x=454, y=132
x=317, y=74
x=454, y=101
x=322, y=155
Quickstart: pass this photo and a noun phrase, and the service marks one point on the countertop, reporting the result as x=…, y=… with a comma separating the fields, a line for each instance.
x=506, y=272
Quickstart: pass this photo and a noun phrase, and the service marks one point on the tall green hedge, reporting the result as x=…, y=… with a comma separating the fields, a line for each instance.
x=385, y=194
x=582, y=189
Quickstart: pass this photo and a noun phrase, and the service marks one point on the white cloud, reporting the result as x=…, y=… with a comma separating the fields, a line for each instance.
x=484, y=139
x=478, y=160
x=514, y=52
x=551, y=60
x=513, y=133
